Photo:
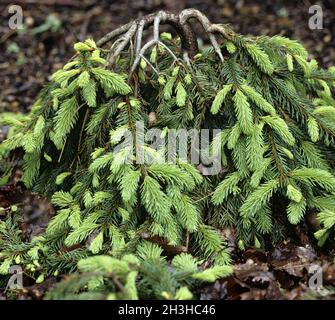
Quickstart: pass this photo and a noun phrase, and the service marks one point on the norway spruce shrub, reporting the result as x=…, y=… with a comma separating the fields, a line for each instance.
x=123, y=203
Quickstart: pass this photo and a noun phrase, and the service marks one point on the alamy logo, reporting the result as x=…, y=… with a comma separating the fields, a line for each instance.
x=16, y=280
x=316, y=280
x=16, y=20
x=168, y=146
x=316, y=20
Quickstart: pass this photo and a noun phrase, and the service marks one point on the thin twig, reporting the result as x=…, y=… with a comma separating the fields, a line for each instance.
x=150, y=64
x=82, y=129
x=187, y=240
x=126, y=39
x=139, y=36
x=168, y=50
x=205, y=197
x=62, y=151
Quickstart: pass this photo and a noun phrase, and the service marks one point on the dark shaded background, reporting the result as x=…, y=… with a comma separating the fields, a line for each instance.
x=28, y=58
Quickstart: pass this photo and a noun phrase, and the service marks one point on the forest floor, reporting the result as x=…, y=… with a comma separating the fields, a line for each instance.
x=29, y=56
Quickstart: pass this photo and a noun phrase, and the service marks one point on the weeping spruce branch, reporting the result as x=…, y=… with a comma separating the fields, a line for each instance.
x=117, y=219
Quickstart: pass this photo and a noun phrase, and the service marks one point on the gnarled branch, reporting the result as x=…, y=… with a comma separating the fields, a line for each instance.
x=133, y=31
